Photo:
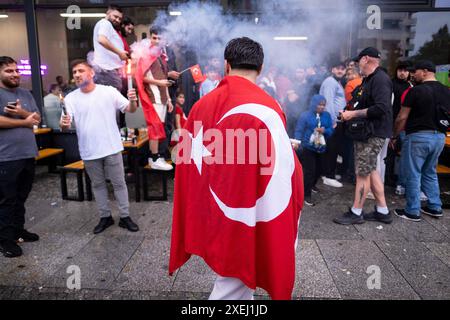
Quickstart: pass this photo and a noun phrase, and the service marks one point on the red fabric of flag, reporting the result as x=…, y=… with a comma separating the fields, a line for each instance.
x=197, y=74
x=155, y=126
x=243, y=223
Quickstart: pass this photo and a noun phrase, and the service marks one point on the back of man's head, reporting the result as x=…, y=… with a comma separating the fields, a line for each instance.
x=245, y=54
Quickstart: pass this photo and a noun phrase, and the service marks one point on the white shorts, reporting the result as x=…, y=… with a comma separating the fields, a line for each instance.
x=161, y=110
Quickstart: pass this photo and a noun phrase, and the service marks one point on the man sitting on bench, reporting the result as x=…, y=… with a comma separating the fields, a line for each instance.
x=93, y=109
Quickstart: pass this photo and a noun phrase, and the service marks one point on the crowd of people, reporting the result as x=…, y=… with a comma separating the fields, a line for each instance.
x=348, y=122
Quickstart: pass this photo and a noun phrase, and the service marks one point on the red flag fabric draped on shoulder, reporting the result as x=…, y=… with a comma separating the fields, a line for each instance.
x=144, y=56
x=240, y=215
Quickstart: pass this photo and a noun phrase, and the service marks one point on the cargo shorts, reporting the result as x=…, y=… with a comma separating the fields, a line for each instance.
x=366, y=154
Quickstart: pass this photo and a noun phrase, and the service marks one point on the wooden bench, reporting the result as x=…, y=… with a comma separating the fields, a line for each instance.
x=50, y=153
x=78, y=169
x=442, y=170
x=148, y=172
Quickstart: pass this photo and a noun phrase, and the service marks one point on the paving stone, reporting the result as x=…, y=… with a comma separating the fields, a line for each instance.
x=195, y=276
x=349, y=261
x=421, y=231
x=148, y=268
x=100, y=262
x=313, y=280
x=440, y=250
x=425, y=272
x=41, y=259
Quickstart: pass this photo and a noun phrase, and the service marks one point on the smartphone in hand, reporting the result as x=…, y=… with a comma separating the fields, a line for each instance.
x=12, y=105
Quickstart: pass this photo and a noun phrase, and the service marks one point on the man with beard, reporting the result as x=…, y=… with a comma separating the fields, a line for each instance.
x=18, y=115
x=400, y=84
x=333, y=92
x=109, y=51
x=93, y=108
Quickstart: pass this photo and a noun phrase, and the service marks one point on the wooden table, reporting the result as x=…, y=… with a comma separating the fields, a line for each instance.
x=133, y=154
x=42, y=131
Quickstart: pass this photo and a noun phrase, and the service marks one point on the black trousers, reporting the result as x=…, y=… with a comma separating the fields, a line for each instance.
x=16, y=180
x=334, y=147
x=312, y=163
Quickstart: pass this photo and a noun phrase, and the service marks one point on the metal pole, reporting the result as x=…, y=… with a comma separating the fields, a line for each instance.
x=33, y=50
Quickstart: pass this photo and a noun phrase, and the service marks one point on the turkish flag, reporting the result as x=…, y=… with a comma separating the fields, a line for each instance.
x=155, y=126
x=240, y=215
x=197, y=74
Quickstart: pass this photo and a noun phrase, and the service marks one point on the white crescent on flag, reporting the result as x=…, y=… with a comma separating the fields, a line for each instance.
x=278, y=192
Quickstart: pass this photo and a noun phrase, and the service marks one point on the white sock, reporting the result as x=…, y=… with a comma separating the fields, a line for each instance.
x=383, y=210
x=357, y=211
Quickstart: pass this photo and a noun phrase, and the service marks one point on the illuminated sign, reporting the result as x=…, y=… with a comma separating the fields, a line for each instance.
x=25, y=68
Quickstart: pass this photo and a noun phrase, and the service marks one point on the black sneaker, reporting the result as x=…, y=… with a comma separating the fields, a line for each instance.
x=308, y=201
x=376, y=216
x=127, y=223
x=103, y=224
x=431, y=212
x=349, y=218
x=25, y=236
x=403, y=214
x=314, y=190
x=10, y=249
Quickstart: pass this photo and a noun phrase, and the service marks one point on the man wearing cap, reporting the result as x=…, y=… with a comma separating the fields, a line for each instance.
x=401, y=82
x=333, y=92
x=423, y=143
x=375, y=105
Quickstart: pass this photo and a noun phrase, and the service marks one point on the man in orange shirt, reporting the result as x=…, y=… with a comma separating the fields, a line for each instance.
x=353, y=80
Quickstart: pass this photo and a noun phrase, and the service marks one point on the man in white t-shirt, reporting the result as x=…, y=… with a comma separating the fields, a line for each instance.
x=93, y=110
x=109, y=51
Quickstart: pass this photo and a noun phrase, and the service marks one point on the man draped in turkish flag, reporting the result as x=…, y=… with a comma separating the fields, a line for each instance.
x=232, y=207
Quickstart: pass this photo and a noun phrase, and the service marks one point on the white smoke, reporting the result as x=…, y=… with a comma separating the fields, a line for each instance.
x=204, y=28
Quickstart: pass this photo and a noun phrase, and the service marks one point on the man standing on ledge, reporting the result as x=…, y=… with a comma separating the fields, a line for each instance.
x=109, y=51
x=375, y=105
x=93, y=109
x=18, y=115
x=240, y=215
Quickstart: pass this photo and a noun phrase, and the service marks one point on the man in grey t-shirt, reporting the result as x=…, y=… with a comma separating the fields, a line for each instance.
x=18, y=115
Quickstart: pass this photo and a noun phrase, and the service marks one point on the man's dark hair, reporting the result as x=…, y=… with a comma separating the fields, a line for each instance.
x=115, y=7
x=127, y=21
x=76, y=62
x=4, y=60
x=244, y=53
x=155, y=30
x=52, y=87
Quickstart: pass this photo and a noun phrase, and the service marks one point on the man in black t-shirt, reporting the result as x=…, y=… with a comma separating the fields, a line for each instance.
x=423, y=143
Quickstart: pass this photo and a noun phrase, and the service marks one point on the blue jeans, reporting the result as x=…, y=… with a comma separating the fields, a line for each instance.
x=420, y=154
x=401, y=174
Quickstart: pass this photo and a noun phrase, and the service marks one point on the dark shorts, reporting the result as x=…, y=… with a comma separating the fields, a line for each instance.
x=366, y=154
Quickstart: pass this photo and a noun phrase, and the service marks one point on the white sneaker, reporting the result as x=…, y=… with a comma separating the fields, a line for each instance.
x=399, y=190
x=423, y=197
x=338, y=177
x=332, y=183
x=370, y=196
x=159, y=164
x=339, y=159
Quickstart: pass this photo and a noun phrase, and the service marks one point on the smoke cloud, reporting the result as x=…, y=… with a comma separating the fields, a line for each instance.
x=204, y=28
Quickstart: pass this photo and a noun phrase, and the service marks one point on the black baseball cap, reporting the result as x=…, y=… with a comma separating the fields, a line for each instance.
x=425, y=64
x=404, y=64
x=369, y=51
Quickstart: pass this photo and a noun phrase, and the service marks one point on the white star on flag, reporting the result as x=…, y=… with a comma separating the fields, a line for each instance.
x=198, y=150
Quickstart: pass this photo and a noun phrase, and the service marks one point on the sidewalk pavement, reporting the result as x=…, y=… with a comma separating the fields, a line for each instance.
x=333, y=261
